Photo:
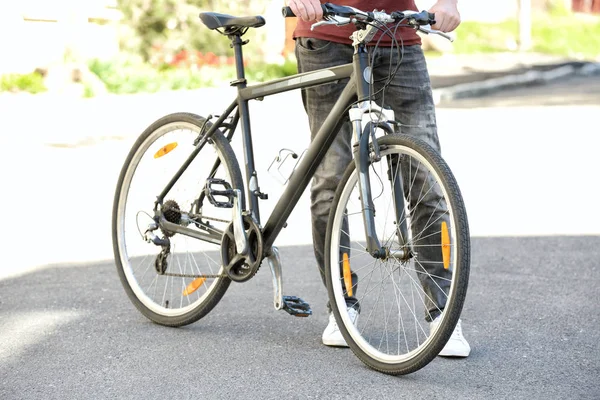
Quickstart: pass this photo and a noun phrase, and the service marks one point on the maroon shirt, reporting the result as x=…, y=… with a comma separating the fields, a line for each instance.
x=341, y=34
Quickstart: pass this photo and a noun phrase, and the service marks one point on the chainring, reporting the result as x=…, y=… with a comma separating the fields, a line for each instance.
x=242, y=267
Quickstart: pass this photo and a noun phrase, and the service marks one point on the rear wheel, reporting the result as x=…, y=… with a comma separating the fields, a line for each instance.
x=181, y=279
x=425, y=272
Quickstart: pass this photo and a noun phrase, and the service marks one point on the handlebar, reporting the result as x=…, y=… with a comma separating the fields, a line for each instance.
x=333, y=10
x=341, y=15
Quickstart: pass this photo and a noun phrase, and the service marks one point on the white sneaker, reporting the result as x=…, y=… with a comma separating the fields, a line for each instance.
x=332, y=335
x=457, y=345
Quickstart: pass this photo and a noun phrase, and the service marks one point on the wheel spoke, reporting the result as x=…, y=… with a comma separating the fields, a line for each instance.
x=397, y=297
x=159, y=154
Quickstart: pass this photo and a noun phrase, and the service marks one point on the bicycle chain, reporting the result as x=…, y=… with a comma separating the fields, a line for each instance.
x=194, y=276
x=192, y=216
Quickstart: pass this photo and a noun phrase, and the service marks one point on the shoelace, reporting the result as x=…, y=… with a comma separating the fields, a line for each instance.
x=335, y=325
x=457, y=331
x=334, y=322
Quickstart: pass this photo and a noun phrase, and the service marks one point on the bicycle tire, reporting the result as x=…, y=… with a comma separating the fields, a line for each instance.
x=374, y=342
x=195, y=258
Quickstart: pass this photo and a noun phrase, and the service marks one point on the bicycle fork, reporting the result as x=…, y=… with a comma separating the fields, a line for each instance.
x=377, y=117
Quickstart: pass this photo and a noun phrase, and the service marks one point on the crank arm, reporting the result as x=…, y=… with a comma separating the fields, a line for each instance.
x=274, y=262
x=239, y=233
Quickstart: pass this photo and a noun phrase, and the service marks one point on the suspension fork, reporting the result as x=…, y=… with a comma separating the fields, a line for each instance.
x=379, y=118
x=362, y=159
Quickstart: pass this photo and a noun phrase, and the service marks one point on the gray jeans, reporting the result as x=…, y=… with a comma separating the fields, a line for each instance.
x=409, y=95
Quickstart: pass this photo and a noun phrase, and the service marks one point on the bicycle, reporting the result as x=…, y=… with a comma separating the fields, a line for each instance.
x=190, y=227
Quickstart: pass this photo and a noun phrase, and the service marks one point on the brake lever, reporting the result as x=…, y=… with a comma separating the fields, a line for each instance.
x=334, y=20
x=427, y=29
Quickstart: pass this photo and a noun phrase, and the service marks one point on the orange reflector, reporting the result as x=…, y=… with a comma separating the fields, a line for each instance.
x=347, y=274
x=445, y=245
x=192, y=287
x=165, y=150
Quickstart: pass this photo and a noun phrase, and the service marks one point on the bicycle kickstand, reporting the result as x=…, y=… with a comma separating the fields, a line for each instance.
x=291, y=304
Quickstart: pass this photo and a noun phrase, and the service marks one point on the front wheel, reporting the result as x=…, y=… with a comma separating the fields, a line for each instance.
x=425, y=271
x=178, y=278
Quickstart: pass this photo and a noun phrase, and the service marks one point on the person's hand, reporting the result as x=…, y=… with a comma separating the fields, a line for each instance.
x=447, y=17
x=308, y=10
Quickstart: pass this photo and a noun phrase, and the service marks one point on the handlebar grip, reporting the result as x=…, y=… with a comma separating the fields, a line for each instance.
x=288, y=13
x=422, y=18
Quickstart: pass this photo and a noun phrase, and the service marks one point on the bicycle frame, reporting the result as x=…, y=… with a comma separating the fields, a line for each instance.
x=355, y=89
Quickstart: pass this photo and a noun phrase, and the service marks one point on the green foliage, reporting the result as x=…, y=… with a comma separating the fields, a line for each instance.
x=558, y=8
x=568, y=36
x=128, y=75
x=551, y=34
x=159, y=27
x=158, y=24
x=88, y=91
x=265, y=72
x=32, y=83
x=477, y=37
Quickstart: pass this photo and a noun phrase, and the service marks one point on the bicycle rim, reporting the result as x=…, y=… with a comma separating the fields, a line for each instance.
x=397, y=296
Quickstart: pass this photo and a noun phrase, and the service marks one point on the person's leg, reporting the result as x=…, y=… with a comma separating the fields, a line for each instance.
x=313, y=54
x=409, y=95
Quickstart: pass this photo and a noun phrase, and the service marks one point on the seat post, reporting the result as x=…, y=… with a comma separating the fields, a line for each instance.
x=237, y=43
x=251, y=176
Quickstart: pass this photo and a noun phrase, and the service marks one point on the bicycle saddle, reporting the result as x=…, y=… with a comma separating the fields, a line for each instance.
x=215, y=20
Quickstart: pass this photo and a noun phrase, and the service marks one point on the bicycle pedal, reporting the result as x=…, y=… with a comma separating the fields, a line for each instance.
x=213, y=193
x=296, y=306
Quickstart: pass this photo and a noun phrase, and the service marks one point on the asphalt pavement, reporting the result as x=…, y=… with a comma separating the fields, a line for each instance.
x=70, y=332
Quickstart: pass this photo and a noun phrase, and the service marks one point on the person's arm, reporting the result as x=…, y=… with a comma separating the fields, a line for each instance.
x=447, y=17
x=308, y=10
